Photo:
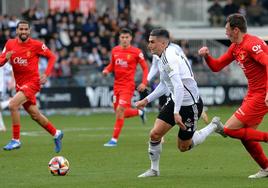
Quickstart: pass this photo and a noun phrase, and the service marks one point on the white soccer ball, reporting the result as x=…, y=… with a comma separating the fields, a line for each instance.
x=59, y=166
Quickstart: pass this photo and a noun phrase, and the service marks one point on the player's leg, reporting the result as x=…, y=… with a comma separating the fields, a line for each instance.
x=14, y=106
x=120, y=105
x=42, y=120
x=235, y=128
x=162, y=125
x=155, y=147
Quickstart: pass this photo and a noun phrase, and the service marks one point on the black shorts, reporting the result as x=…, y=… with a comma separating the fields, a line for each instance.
x=189, y=114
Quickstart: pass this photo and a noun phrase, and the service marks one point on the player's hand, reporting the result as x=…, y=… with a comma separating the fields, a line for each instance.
x=204, y=51
x=266, y=99
x=141, y=87
x=43, y=79
x=9, y=54
x=178, y=121
x=141, y=104
x=105, y=72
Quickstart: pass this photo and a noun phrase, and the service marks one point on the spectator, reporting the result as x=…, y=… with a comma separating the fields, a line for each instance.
x=230, y=8
x=215, y=14
x=254, y=13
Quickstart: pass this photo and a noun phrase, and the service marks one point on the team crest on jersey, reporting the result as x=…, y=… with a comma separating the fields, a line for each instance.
x=241, y=56
x=129, y=56
x=28, y=53
x=168, y=69
x=44, y=47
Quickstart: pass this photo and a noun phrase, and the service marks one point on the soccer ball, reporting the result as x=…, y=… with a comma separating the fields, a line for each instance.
x=59, y=166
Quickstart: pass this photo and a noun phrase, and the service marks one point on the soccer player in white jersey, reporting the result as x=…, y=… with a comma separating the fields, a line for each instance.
x=154, y=71
x=183, y=108
x=3, y=88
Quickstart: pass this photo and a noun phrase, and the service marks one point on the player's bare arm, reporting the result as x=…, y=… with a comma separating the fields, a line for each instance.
x=43, y=79
x=142, y=103
x=204, y=51
x=178, y=121
x=105, y=72
x=9, y=54
x=141, y=87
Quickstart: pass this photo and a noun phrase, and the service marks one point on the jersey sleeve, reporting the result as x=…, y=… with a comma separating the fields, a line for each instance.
x=257, y=50
x=3, y=59
x=110, y=67
x=43, y=50
x=153, y=70
x=217, y=64
x=144, y=67
x=171, y=61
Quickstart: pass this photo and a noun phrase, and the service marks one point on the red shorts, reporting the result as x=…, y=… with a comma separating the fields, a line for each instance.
x=122, y=98
x=29, y=90
x=252, y=111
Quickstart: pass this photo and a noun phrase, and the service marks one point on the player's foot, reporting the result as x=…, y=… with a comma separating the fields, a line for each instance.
x=58, y=142
x=111, y=143
x=149, y=173
x=217, y=121
x=261, y=174
x=13, y=144
x=2, y=128
x=143, y=116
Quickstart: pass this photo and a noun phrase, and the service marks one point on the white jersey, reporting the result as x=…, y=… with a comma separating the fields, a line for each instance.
x=176, y=76
x=5, y=78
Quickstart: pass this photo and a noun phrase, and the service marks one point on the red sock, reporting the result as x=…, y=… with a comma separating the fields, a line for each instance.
x=50, y=128
x=16, y=131
x=130, y=112
x=118, y=127
x=256, y=152
x=247, y=134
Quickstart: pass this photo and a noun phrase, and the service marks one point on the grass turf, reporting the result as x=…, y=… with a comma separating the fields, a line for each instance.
x=219, y=162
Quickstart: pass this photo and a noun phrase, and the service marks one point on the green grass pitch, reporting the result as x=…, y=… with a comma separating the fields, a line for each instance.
x=218, y=162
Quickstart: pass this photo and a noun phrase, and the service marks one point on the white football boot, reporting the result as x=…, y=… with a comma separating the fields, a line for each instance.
x=263, y=173
x=149, y=173
x=217, y=121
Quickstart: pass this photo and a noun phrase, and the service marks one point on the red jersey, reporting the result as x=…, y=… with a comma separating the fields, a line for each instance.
x=124, y=63
x=25, y=59
x=252, y=56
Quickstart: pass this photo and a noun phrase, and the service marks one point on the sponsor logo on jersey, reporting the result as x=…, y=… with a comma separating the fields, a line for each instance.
x=20, y=61
x=257, y=48
x=121, y=63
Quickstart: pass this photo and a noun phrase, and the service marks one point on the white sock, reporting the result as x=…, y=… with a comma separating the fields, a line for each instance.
x=57, y=133
x=2, y=125
x=114, y=139
x=140, y=112
x=4, y=104
x=154, y=150
x=201, y=135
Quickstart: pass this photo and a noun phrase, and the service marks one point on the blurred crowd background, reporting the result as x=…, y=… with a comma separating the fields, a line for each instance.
x=82, y=40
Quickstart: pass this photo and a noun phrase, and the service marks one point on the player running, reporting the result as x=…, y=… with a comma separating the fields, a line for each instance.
x=23, y=54
x=124, y=60
x=251, y=54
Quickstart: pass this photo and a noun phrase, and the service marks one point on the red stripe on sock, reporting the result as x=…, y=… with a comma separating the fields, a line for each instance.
x=247, y=134
x=118, y=127
x=16, y=131
x=256, y=152
x=50, y=128
x=130, y=112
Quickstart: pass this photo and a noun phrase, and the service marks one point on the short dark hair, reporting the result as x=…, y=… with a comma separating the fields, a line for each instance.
x=125, y=31
x=22, y=22
x=160, y=32
x=237, y=20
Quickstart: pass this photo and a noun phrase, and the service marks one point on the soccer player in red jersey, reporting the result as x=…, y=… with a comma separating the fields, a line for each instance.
x=251, y=54
x=124, y=60
x=23, y=54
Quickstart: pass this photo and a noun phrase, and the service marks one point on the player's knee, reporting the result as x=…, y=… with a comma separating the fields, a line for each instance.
x=183, y=147
x=13, y=106
x=154, y=135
